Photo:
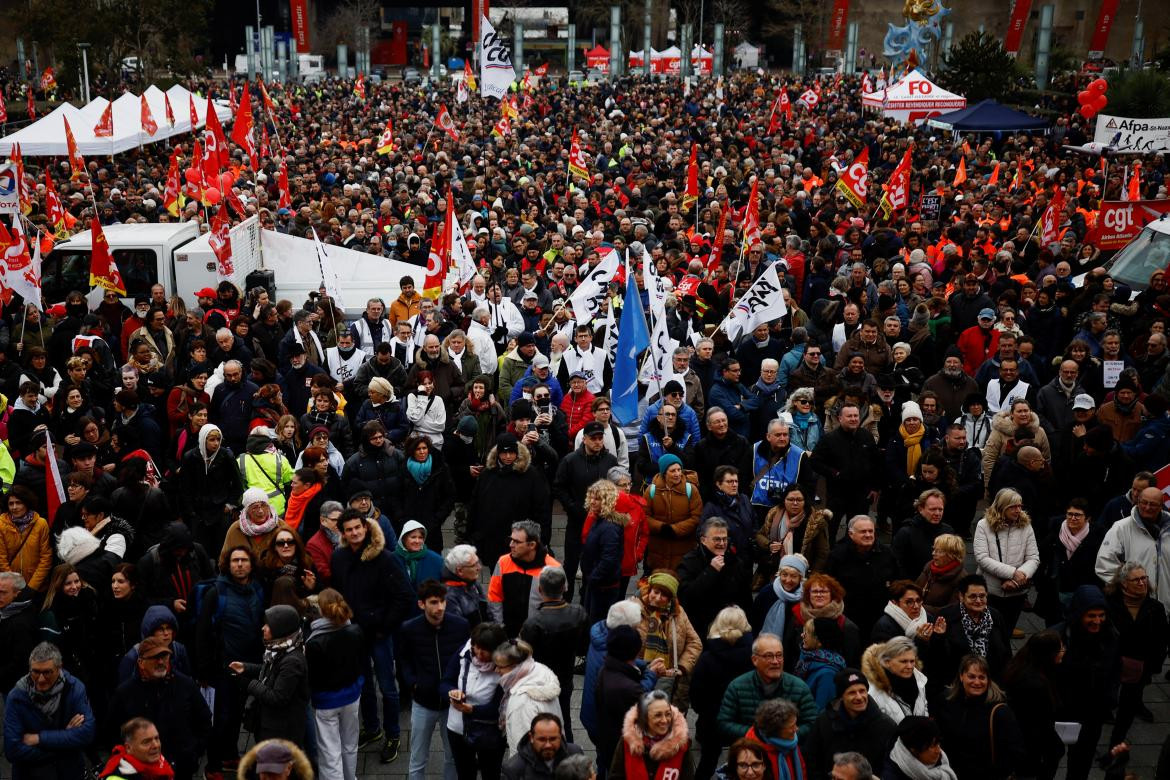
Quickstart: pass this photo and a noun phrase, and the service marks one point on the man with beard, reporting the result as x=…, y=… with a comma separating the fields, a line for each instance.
x=231, y=406
x=951, y=385
x=372, y=328
x=294, y=384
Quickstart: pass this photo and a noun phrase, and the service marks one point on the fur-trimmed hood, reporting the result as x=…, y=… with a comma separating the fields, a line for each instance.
x=672, y=744
x=523, y=458
x=301, y=768
x=872, y=668
x=1002, y=422
x=375, y=540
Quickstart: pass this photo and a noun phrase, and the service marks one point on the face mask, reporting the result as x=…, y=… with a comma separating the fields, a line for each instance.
x=466, y=439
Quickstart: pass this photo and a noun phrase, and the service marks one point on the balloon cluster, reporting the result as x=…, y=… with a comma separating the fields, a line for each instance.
x=1092, y=98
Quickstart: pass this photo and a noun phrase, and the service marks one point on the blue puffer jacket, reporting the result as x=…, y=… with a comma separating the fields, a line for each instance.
x=60, y=753
x=594, y=661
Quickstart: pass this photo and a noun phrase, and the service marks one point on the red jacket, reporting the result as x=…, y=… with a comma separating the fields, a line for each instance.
x=636, y=533
x=577, y=411
x=977, y=345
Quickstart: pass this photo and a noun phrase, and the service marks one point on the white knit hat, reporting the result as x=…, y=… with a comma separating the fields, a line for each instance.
x=76, y=544
x=911, y=409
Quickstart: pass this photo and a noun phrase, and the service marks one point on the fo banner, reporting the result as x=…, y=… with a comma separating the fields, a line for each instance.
x=1101, y=31
x=1122, y=134
x=1121, y=220
x=1016, y=25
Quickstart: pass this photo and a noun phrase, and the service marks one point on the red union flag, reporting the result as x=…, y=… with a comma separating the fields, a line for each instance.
x=1050, y=222
x=105, y=124
x=149, y=126
x=578, y=165
x=837, y=25
x=1101, y=31
x=221, y=244
x=1016, y=25
x=1120, y=221
x=76, y=161
x=810, y=99
x=854, y=181
x=103, y=272
x=897, y=195
x=446, y=123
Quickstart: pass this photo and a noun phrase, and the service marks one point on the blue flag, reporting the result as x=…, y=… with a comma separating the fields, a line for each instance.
x=633, y=338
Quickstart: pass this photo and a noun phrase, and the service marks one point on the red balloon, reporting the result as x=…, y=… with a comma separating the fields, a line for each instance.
x=1088, y=112
x=212, y=195
x=1099, y=85
x=226, y=180
x=192, y=175
x=1085, y=97
x=1099, y=103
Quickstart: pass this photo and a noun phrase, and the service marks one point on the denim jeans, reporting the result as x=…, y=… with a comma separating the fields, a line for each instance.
x=422, y=723
x=382, y=663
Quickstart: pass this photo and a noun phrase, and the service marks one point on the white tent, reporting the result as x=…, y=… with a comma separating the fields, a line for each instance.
x=668, y=60
x=702, y=60
x=46, y=136
x=746, y=54
x=914, y=99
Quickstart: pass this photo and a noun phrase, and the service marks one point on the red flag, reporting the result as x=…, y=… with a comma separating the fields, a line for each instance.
x=777, y=112
x=105, y=124
x=221, y=244
x=960, y=173
x=76, y=161
x=578, y=165
x=265, y=149
x=193, y=177
x=213, y=126
x=1101, y=31
x=233, y=106
x=173, y=192
x=32, y=106
x=751, y=216
x=285, y=195
x=854, y=180
x=1162, y=477
x=170, y=110
x=502, y=127
x=268, y=104
x=994, y=178
x=1134, y=190
x=242, y=132
x=3, y=110
x=716, y=256
x=23, y=191
x=446, y=123
x=149, y=126
x=102, y=270
x=1015, y=32
x=194, y=116
x=785, y=103
x=54, y=486
x=897, y=194
x=1050, y=221
x=691, y=193
x=809, y=98
x=359, y=87
x=48, y=80
x=436, y=264
x=55, y=212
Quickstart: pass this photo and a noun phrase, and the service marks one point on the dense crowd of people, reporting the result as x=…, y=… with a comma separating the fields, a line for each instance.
x=816, y=542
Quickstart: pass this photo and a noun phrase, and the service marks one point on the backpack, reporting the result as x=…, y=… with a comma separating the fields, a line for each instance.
x=202, y=589
x=653, y=491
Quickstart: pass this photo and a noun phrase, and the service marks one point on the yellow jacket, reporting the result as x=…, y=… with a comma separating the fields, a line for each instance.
x=29, y=553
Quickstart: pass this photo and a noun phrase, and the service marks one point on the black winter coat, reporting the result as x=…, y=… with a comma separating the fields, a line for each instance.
x=374, y=584
x=503, y=496
x=871, y=734
x=430, y=502
x=336, y=658
x=423, y=654
x=709, y=452
x=720, y=663
x=866, y=579
x=576, y=472
x=380, y=470
x=914, y=543
x=279, y=705
x=204, y=494
x=947, y=649
x=1142, y=638
x=174, y=705
x=703, y=591
x=852, y=461
x=559, y=634
x=619, y=687
x=966, y=725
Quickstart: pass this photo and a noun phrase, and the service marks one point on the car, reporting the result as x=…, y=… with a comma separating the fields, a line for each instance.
x=1149, y=251
x=594, y=76
x=576, y=76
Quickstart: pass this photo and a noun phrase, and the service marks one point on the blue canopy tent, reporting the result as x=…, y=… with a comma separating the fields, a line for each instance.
x=987, y=117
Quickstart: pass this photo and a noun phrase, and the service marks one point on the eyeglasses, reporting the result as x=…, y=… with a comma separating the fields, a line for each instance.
x=517, y=541
x=1138, y=580
x=1075, y=515
x=976, y=597
x=285, y=543
x=771, y=657
x=41, y=672
x=750, y=766
x=801, y=401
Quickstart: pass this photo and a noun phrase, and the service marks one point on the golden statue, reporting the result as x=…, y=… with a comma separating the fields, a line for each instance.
x=920, y=10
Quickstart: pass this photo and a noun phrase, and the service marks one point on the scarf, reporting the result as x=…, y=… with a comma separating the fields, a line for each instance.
x=508, y=682
x=1070, y=540
x=777, y=613
x=977, y=634
x=790, y=762
x=297, y=502
x=818, y=656
x=48, y=702
x=420, y=471
x=22, y=521
x=334, y=537
x=251, y=529
x=781, y=531
x=916, y=770
x=766, y=388
x=908, y=625
x=478, y=405
x=802, y=420
x=913, y=443
x=122, y=763
x=945, y=570
x=410, y=559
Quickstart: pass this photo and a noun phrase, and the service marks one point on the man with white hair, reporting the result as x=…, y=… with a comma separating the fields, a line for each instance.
x=480, y=335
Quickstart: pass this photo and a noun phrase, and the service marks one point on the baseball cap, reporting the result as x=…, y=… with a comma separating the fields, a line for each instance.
x=1084, y=401
x=540, y=361
x=987, y=314
x=593, y=428
x=206, y=292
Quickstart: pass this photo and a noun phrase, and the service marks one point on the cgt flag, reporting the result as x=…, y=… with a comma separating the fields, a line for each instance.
x=105, y=124
x=446, y=123
x=102, y=270
x=854, y=181
x=578, y=165
x=762, y=303
x=691, y=193
x=586, y=299
x=496, y=73
x=386, y=141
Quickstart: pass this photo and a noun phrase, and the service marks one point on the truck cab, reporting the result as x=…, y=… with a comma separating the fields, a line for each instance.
x=142, y=252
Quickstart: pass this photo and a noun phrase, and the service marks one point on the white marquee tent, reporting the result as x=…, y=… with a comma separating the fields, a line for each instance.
x=914, y=99
x=46, y=136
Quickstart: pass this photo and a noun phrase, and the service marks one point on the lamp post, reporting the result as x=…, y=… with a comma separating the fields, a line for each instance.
x=85, y=68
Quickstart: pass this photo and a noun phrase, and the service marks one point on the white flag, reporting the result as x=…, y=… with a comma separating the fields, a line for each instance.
x=655, y=289
x=496, y=73
x=611, y=331
x=329, y=278
x=22, y=271
x=586, y=299
x=762, y=303
x=658, y=368
x=461, y=92
x=463, y=266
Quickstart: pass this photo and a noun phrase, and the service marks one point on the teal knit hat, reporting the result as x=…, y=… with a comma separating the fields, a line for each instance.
x=666, y=461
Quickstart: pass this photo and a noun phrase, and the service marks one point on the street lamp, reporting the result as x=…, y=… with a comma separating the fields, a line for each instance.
x=85, y=68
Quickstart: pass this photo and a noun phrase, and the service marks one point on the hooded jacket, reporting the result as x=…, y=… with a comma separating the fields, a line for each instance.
x=537, y=692
x=154, y=618
x=302, y=769
x=208, y=485
x=505, y=495
x=164, y=577
x=1003, y=431
x=672, y=517
x=374, y=584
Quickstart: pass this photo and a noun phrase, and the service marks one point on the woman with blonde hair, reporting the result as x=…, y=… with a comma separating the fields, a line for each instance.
x=530, y=688
x=941, y=574
x=726, y=655
x=1006, y=554
x=896, y=684
x=804, y=428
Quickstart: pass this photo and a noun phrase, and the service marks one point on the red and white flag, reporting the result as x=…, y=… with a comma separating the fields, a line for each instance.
x=691, y=193
x=3, y=110
x=897, y=187
x=854, y=181
x=54, y=486
x=446, y=123
x=191, y=109
x=221, y=244
x=809, y=98
x=76, y=161
x=1050, y=222
x=243, y=132
x=170, y=110
x=282, y=182
x=105, y=124
x=146, y=117
x=751, y=217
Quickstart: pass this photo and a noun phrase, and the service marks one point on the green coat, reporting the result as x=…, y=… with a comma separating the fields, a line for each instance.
x=737, y=713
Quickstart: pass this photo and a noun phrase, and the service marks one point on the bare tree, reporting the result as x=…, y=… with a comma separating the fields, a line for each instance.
x=783, y=16
x=345, y=24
